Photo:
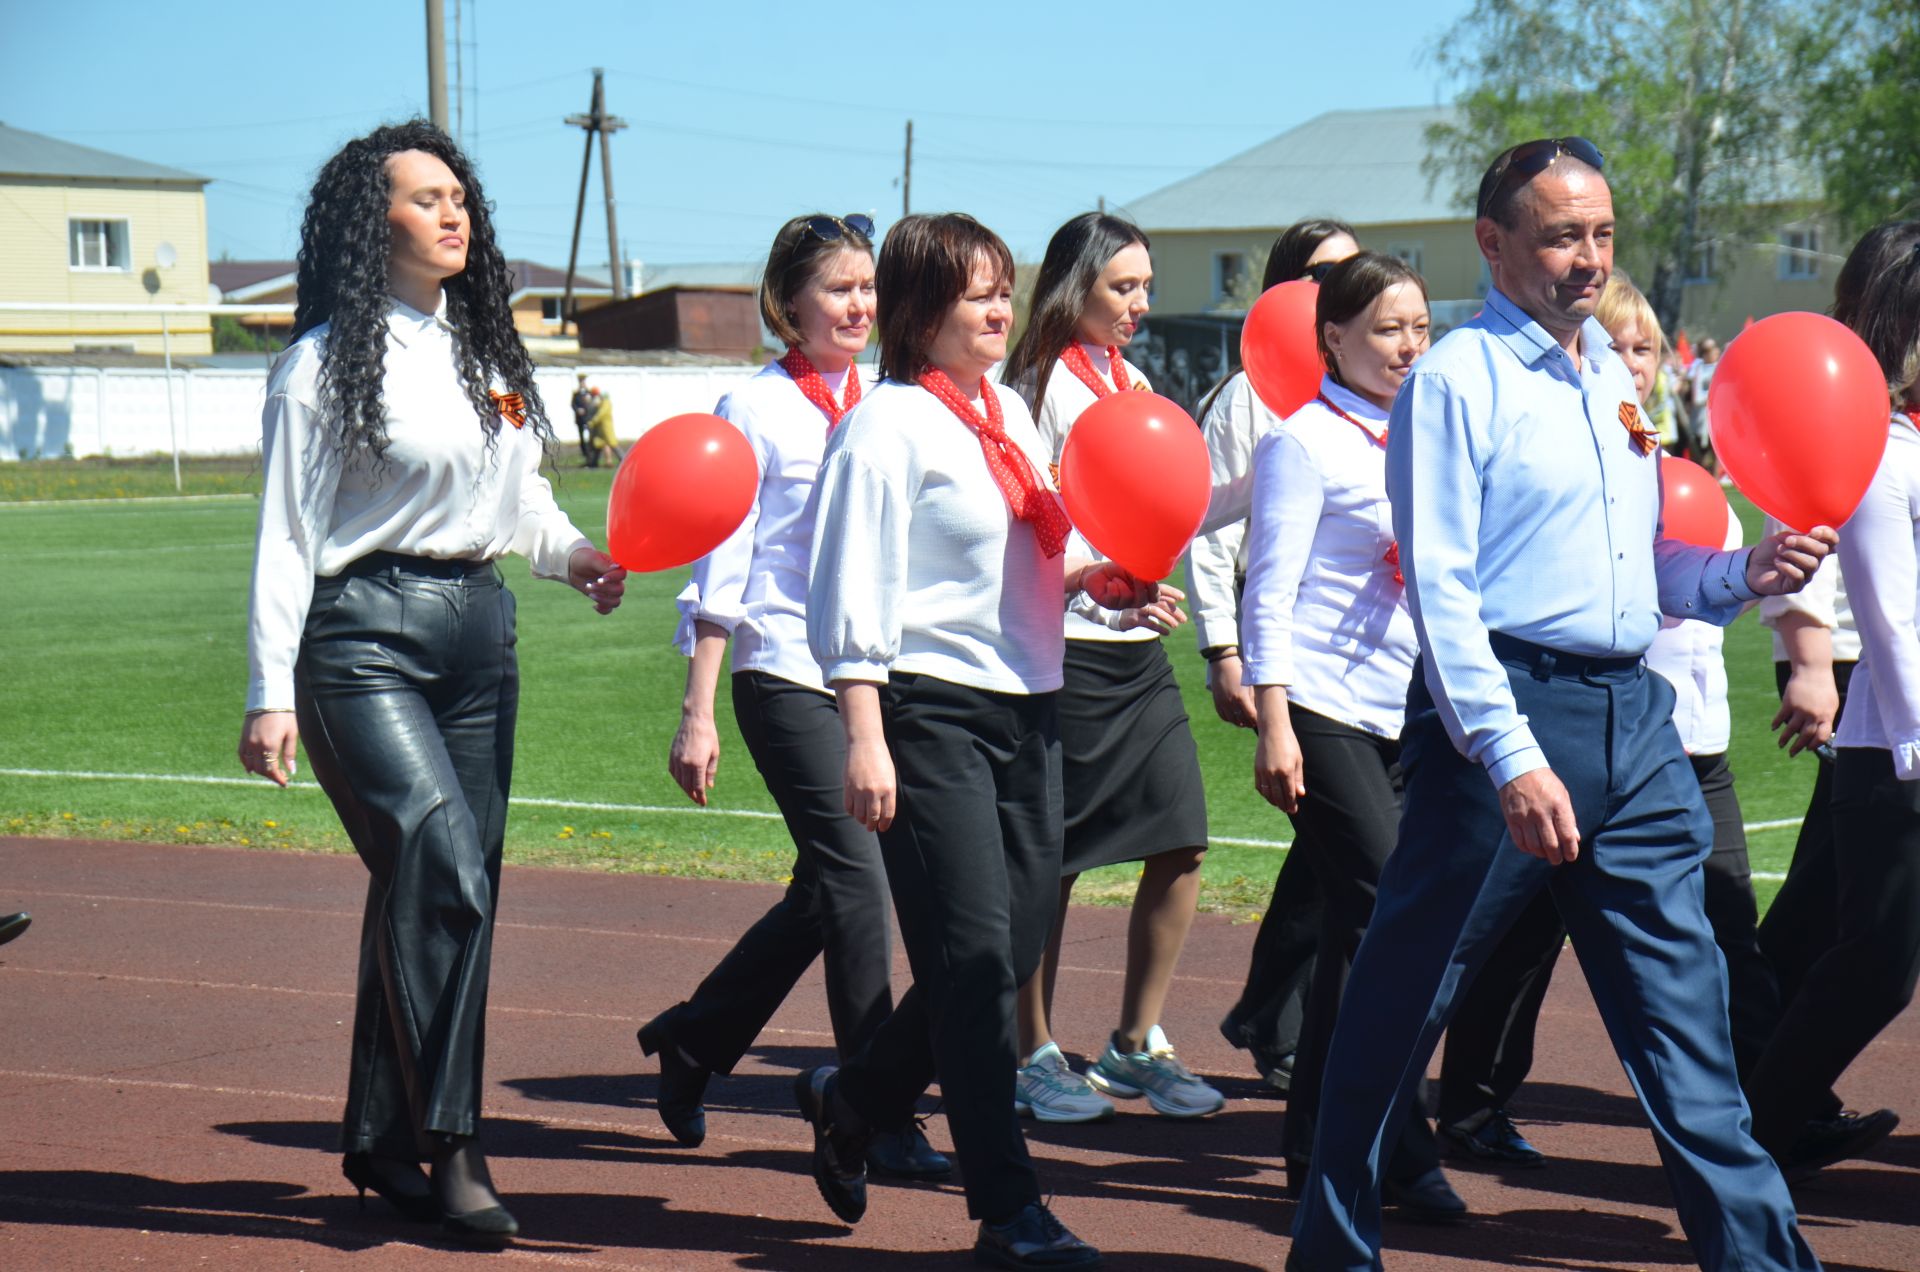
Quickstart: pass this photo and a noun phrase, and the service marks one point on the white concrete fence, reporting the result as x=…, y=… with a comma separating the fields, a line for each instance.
x=49, y=412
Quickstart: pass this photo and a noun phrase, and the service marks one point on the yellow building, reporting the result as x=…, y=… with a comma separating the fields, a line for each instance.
x=84, y=227
x=1211, y=231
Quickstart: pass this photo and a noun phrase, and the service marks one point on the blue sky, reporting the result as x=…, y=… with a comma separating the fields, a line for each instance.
x=741, y=113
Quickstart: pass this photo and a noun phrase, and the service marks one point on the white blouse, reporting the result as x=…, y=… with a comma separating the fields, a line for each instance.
x=1690, y=653
x=1880, y=547
x=443, y=492
x=1322, y=613
x=1234, y=423
x=1823, y=599
x=1067, y=399
x=755, y=584
x=918, y=563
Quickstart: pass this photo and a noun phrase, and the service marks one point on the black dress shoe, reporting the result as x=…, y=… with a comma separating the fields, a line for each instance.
x=390, y=1179
x=1835, y=1139
x=905, y=1154
x=1426, y=1198
x=1497, y=1142
x=683, y=1086
x=1032, y=1239
x=1275, y=1070
x=839, y=1144
x=13, y=925
x=487, y=1229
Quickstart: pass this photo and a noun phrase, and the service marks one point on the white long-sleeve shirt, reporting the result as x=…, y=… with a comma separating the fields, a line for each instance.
x=754, y=585
x=1691, y=655
x=1323, y=613
x=1823, y=599
x=1233, y=424
x=1880, y=548
x=919, y=565
x=1067, y=399
x=443, y=492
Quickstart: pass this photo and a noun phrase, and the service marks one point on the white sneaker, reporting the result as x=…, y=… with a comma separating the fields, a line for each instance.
x=1046, y=1089
x=1170, y=1087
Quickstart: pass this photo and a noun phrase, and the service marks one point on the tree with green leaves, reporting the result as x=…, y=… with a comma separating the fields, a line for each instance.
x=1861, y=123
x=1693, y=103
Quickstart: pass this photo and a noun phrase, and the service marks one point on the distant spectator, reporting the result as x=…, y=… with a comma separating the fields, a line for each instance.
x=582, y=416
x=600, y=431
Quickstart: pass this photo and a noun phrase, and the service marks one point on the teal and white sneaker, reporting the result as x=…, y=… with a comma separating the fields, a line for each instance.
x=1046, y=1089
x=1170, y=1087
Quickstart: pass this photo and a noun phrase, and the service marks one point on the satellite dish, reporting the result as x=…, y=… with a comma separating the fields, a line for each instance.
x=165, y=257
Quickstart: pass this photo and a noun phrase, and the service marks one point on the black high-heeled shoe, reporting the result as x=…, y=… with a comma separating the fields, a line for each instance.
x=683, y=1086
x=420, y=1207
x=489, y=1228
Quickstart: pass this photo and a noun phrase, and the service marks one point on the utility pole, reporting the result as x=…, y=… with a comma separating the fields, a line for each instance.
x=598, y=123
x=906, y=176
x=437, y=63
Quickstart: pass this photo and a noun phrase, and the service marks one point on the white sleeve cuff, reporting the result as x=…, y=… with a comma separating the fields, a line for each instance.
x=1906, y=758
x=873, y=673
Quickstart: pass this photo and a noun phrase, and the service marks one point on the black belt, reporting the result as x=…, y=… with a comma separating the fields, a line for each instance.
x=1543, y=662
x=399, y=564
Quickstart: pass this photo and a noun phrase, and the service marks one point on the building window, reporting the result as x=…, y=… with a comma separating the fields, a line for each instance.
x=1411, y=253
x=1702, y=268
x=550, y=308
x=1800, y=253
x=1229, y=275
x=98, y=245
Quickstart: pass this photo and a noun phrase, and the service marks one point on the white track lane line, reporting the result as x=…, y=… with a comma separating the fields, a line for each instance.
x=195, y=779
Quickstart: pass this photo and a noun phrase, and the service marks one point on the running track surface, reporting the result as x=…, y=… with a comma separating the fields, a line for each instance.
x=173, y=1036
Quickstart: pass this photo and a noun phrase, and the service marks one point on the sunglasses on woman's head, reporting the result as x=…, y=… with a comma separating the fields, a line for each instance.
x=836, y=227
x=1531, y=158
x=1319, y=270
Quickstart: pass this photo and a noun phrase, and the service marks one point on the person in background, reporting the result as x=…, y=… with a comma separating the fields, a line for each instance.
x=600, y=436
x=1265, y=1021
x=939, y=575
x=1130, y=768
x=817, y=295
x=1329, y=650
x=402, y=444
x=1699, y=386
x=582, y=405
x=1865, y=977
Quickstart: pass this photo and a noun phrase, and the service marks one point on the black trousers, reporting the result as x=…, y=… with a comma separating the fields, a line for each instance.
x=1803, y=921
x=1345, y=828
x=973, y=857
x=1490, y=1041
x=407, y=688
x=1867, y=977
x=837, y=902
x=1272, y=1005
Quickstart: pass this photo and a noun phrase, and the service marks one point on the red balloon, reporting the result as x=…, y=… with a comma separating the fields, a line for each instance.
x=1278, y=348
x=1693, y=508
x=682, y=489
x=1799, y=416
x=1135, y=478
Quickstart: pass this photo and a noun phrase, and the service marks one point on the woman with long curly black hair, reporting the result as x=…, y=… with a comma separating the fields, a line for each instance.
x=401, y=446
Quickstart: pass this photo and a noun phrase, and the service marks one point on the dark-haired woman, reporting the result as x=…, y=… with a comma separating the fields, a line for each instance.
x=1266, y=1019
x=817, y=295
x=1866, y=976
x=1132, y=774
x=402, y=443
x=1330, y=648
x=939, y=577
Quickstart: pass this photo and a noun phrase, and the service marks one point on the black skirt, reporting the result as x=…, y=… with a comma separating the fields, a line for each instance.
x=1131, y=770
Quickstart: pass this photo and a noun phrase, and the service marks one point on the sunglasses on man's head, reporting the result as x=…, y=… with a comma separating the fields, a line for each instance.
x=1531, y=158
x=830, y=228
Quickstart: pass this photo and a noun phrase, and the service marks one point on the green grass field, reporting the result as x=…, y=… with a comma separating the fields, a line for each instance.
x=123, y=626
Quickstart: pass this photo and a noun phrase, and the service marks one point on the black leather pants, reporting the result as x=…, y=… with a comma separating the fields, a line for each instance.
x=407, y=689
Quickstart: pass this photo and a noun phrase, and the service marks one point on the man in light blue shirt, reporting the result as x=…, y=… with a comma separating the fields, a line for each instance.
x=1538, y=749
